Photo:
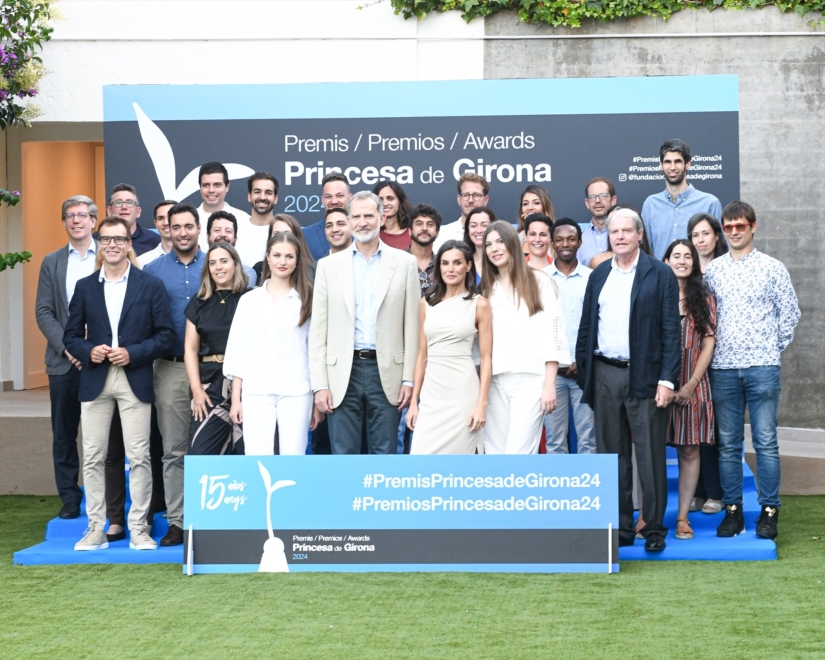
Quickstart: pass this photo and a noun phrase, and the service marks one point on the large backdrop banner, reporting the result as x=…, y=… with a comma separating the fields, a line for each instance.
x=557, y=133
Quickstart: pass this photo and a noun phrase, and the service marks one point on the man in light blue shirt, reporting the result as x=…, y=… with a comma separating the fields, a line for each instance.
x=599, y=198
x=666, y=214
x=571, y=278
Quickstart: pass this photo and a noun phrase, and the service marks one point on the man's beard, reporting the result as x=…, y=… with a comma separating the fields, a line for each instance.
x=267, y=210
x=366, y=238
x=676, y=181
x=423, y=243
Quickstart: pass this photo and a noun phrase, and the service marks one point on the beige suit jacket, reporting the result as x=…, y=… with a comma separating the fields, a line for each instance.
x=332, y=333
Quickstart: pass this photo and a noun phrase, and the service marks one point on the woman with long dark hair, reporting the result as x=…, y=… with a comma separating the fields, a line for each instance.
x=208, y=320
x=395, y=227
x=449, y=402
x=528, y=344
x=691, y=416
x=475, y=225
x=705, y=232
x=267, y=354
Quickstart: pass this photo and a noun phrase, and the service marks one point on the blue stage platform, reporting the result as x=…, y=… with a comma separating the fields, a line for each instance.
x=61, y=535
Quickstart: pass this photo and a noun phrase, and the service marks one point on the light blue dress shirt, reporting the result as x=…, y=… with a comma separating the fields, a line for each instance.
x=365, y=280
x=593, y=242
x=572, y=288
x=667, y=220
x=79, y=266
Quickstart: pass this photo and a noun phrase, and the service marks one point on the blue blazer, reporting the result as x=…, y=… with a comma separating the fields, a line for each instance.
x=145, y=327
x=655, y=329
x=316, y=240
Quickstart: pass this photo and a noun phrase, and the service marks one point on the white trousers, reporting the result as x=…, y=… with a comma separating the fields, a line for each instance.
x=262, y=412
x=514, y=418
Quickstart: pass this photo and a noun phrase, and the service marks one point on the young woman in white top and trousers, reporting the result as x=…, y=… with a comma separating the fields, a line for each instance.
x=267, y=355
x=529, y=344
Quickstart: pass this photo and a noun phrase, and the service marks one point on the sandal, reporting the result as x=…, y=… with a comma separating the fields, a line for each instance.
x=712, y=506
x=696, y=504
x=683, y=530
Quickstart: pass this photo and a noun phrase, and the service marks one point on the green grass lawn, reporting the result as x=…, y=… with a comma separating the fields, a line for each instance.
x=649, y=610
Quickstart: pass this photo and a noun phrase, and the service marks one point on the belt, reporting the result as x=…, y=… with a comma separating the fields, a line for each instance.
x=172, y=358
x=621, y=364
x=365, y=354
x=212, y=358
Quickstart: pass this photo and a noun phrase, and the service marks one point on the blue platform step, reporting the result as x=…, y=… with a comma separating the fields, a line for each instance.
x=61, y=535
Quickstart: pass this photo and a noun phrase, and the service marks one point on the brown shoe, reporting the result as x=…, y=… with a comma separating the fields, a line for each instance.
x=173, y=537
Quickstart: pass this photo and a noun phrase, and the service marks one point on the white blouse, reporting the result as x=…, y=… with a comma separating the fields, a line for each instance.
x=524, y=343
x=266, y=348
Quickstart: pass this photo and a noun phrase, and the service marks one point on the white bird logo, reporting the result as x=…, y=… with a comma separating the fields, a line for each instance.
x=163, y=158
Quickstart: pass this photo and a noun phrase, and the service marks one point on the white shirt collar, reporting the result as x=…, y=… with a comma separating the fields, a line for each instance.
x=576, y=271
x=614, y=264
x=125, y=277
x=92, y=248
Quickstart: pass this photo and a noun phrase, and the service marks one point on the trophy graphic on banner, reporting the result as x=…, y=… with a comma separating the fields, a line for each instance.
x=273, y=559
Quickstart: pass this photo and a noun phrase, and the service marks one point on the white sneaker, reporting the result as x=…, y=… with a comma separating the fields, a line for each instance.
x=139, y=539
x=93, y=539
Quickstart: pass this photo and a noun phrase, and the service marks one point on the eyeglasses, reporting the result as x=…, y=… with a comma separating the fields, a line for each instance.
x=738, y=226
x=474, y=196
x=601, y=196
x=118, y=240
x=128, y=203
x=79, y=216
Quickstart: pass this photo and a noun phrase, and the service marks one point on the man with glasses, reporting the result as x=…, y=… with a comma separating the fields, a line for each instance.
x=425, y=223
x=116, y=350
x=180, y=272
x=756, y=314
x=666, y=214
x=123, y=203
x=59, y=274
x=473, y=191
x=599, y=198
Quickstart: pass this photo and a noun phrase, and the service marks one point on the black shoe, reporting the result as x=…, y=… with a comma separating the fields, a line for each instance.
x=116, y=537
x=734, y=522
x=173, y=537
x=69, y=511
x=766, y=522
x=654, y=542
x=624, y=542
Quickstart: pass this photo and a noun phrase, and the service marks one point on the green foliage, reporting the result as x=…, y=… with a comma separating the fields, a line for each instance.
x=11, y=259
x=570, y=13
x=24, y=28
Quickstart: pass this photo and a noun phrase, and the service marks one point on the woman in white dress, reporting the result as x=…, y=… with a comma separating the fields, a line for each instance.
x=267, y=354
x=528, y=344
x=449, y=400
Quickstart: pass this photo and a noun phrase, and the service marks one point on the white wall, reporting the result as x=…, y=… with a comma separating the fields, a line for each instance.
x=244, y=41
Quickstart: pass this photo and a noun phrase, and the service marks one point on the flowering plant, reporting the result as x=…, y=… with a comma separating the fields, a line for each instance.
x=24, y=27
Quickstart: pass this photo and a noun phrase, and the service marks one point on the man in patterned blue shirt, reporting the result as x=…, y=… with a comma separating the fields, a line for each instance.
x=756, y=314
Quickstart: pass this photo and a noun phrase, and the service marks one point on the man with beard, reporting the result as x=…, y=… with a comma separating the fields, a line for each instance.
x=180, y=272
x=364, y=335
x=666, y=214
x=424, y=227
x=599, y=198
x=252, y=235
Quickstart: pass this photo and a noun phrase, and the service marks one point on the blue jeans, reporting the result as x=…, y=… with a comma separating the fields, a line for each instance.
x=758, y=389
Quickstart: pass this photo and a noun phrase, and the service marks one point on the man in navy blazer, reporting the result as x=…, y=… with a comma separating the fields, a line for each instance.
x=629, y=357
x=119, y=323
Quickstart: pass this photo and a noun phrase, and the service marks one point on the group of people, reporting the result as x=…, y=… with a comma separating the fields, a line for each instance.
x=380, y=329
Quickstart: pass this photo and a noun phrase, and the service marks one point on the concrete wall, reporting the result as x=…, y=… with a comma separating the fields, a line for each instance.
x=781, y=133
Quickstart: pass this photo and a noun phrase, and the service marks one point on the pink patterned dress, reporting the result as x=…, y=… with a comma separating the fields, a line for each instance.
x=693, y=424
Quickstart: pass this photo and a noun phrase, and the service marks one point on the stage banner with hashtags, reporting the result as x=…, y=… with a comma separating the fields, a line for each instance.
x=401, y=513
x=555, y=133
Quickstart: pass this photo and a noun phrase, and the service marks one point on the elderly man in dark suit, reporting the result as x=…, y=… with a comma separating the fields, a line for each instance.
x=59, y=274
x=119, y=323
x=629, y=356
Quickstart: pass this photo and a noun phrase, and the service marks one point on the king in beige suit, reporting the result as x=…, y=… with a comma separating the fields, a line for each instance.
x=363, y=340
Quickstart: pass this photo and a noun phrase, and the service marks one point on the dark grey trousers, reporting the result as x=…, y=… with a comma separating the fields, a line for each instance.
x=364, y=401
x=620, y=417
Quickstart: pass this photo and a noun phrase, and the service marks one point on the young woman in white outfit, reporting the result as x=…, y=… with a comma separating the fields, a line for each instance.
x=267, y=354
x=528, y=344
